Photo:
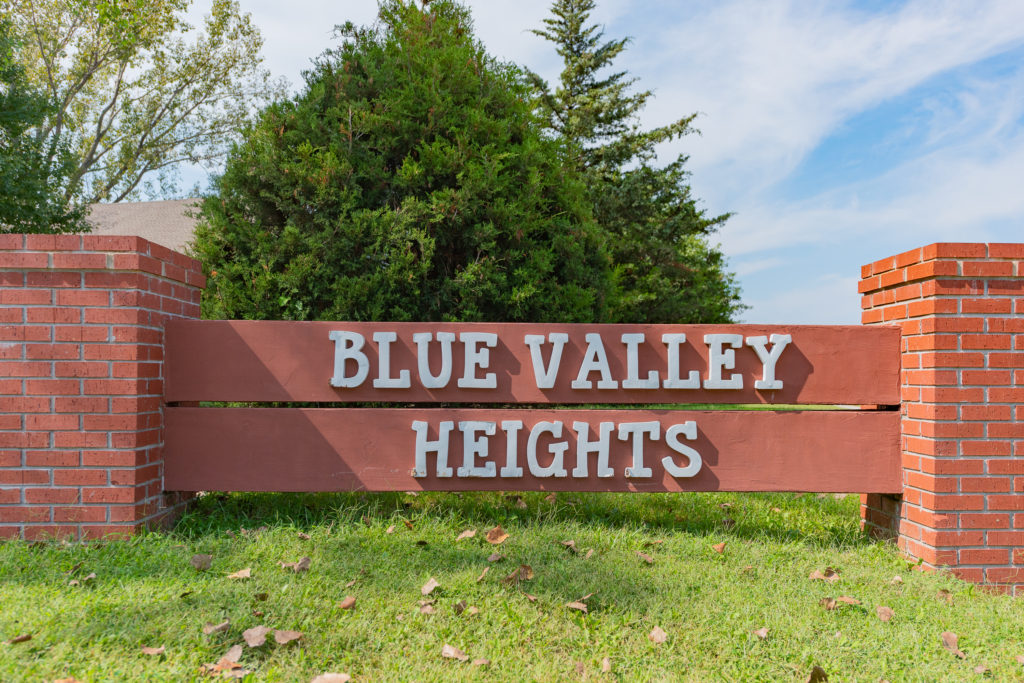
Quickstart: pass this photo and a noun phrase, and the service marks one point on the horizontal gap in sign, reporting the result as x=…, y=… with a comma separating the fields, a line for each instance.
x=545, y=406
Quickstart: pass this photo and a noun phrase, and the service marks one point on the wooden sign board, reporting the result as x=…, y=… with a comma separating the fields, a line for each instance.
x=528, y=448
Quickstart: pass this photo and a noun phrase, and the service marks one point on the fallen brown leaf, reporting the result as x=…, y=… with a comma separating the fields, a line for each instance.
x=523, y=572
x=350, y=583
x=949, y=641
x=645, y=557
x=258, y=613
x=570, y=545
x=256, y=636
x=776, y=510
x=430, y=586
x=483, y=574
x=407, y=523
x=497, y=535
x=982, y=669
x=725, y=506
x=216, y=628
x=719, y=547
x=762, y=632
x=20, y=639
x=460, y=607
x=390, y=529
x=234, y=653
x=153, y=651
x=348, y=603
x=652, y=544
x=481, y=662
x=428, y=608
x=581, y=668
x=449, y=652
x=896, y=581
x=468, y=533
x=531, y=598
x=828, y=603
x=84, y=580
x=589, y=554
x=848, y=600
x=285, y=637
x=520, y=503
x=551, y=497
x=577, y=605
x=241, y=574
x=303, y=535
x=830, y=575
x=657, y=635
x=201, y=562
x=818, y=675
x=606, y=665
x=332, y=678
x=495, y=557
x=1020, y=659
x=884, y=613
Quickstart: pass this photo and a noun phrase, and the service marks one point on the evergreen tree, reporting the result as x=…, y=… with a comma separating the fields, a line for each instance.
x=409, y=180
x=33, y=173
x=666, y=268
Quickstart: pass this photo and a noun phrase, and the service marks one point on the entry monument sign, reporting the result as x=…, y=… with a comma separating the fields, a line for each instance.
x=510, y=415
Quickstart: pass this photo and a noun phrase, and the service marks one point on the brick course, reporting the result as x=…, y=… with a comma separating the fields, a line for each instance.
x=81, y=381
x=961, y=310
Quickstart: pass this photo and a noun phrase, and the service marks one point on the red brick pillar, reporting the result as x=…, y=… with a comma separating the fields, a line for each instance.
x=961, y=307
x=81, y=381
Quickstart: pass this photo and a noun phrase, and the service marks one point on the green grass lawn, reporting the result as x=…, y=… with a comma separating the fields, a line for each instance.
x=147, y=594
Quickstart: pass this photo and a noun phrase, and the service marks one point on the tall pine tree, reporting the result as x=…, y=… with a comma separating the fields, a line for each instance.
x=667, y=269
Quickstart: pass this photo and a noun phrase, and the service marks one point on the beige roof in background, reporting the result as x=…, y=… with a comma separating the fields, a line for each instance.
x=164, y=222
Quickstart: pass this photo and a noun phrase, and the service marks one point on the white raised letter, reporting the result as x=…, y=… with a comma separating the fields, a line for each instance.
x=637, y=431
x=585, y=447
x=719, y=357
x=673, y=381
x=595, y=359
x=474, y=446
x=546, y=376
x=347, y=346
x=384, y=379
x=557, y=450
x=440, y=447
x=511, y=429
x=633, y=381
x=768, y=359
x=422, y=340
x=475, y=358
x=689, y=430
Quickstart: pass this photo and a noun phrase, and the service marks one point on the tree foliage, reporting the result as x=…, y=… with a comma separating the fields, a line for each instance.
x=408, y=181
x=32, y=172
x=133, y=96
x=666, y=268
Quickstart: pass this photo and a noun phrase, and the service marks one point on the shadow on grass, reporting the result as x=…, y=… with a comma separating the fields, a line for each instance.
x=823, y=521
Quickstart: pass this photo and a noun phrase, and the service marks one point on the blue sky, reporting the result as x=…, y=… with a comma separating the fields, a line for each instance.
x=837, y=132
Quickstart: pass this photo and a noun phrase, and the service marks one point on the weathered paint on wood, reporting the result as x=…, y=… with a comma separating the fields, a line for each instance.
x=336, y=449
x=213, y=360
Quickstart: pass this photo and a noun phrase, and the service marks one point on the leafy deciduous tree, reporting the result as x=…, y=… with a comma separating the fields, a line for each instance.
x=667, y=271
x=408, y=181
x=132, y=95
x=32, y=172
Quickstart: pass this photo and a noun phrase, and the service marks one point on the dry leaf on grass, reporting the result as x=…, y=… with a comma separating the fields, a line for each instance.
x=471, y=610
x=483, y=574
x=761, y=633
x=348, y=603
x=460, y=607
x=589, y=554
x=830, y=575
x=449, y=652
x=496, y=535
x=495, y=557
x=153, y=651
x=818, y=675
x=407, y=523
x=241, y=574
x=390, y=529
x=581, y=668
x=848, y=600
x=427, y=608
x=350, y=583
x=725, y=506
x=896, y=581
x=300, y=566
x=570, y=545
x=719, y=547
x=201, y=562
x=1020, y=659
x=481, y=662
x=606, y=665
x=523, y=572
x=20, y=639
x=430, y=586
x=216, y=628
x=256, y=636
x=652, y=544
x=657, y=635
x=551, y=497
x=531, y=598
x=468, y=533
x=645, y=557
x=578, y=606
x=828, y=603
x=982, y=670
x=884, y=613
x=285, y=637
x=949, y=641
x=84, y=580
x=332, y=678
x=520, y=503
x=303, y=535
